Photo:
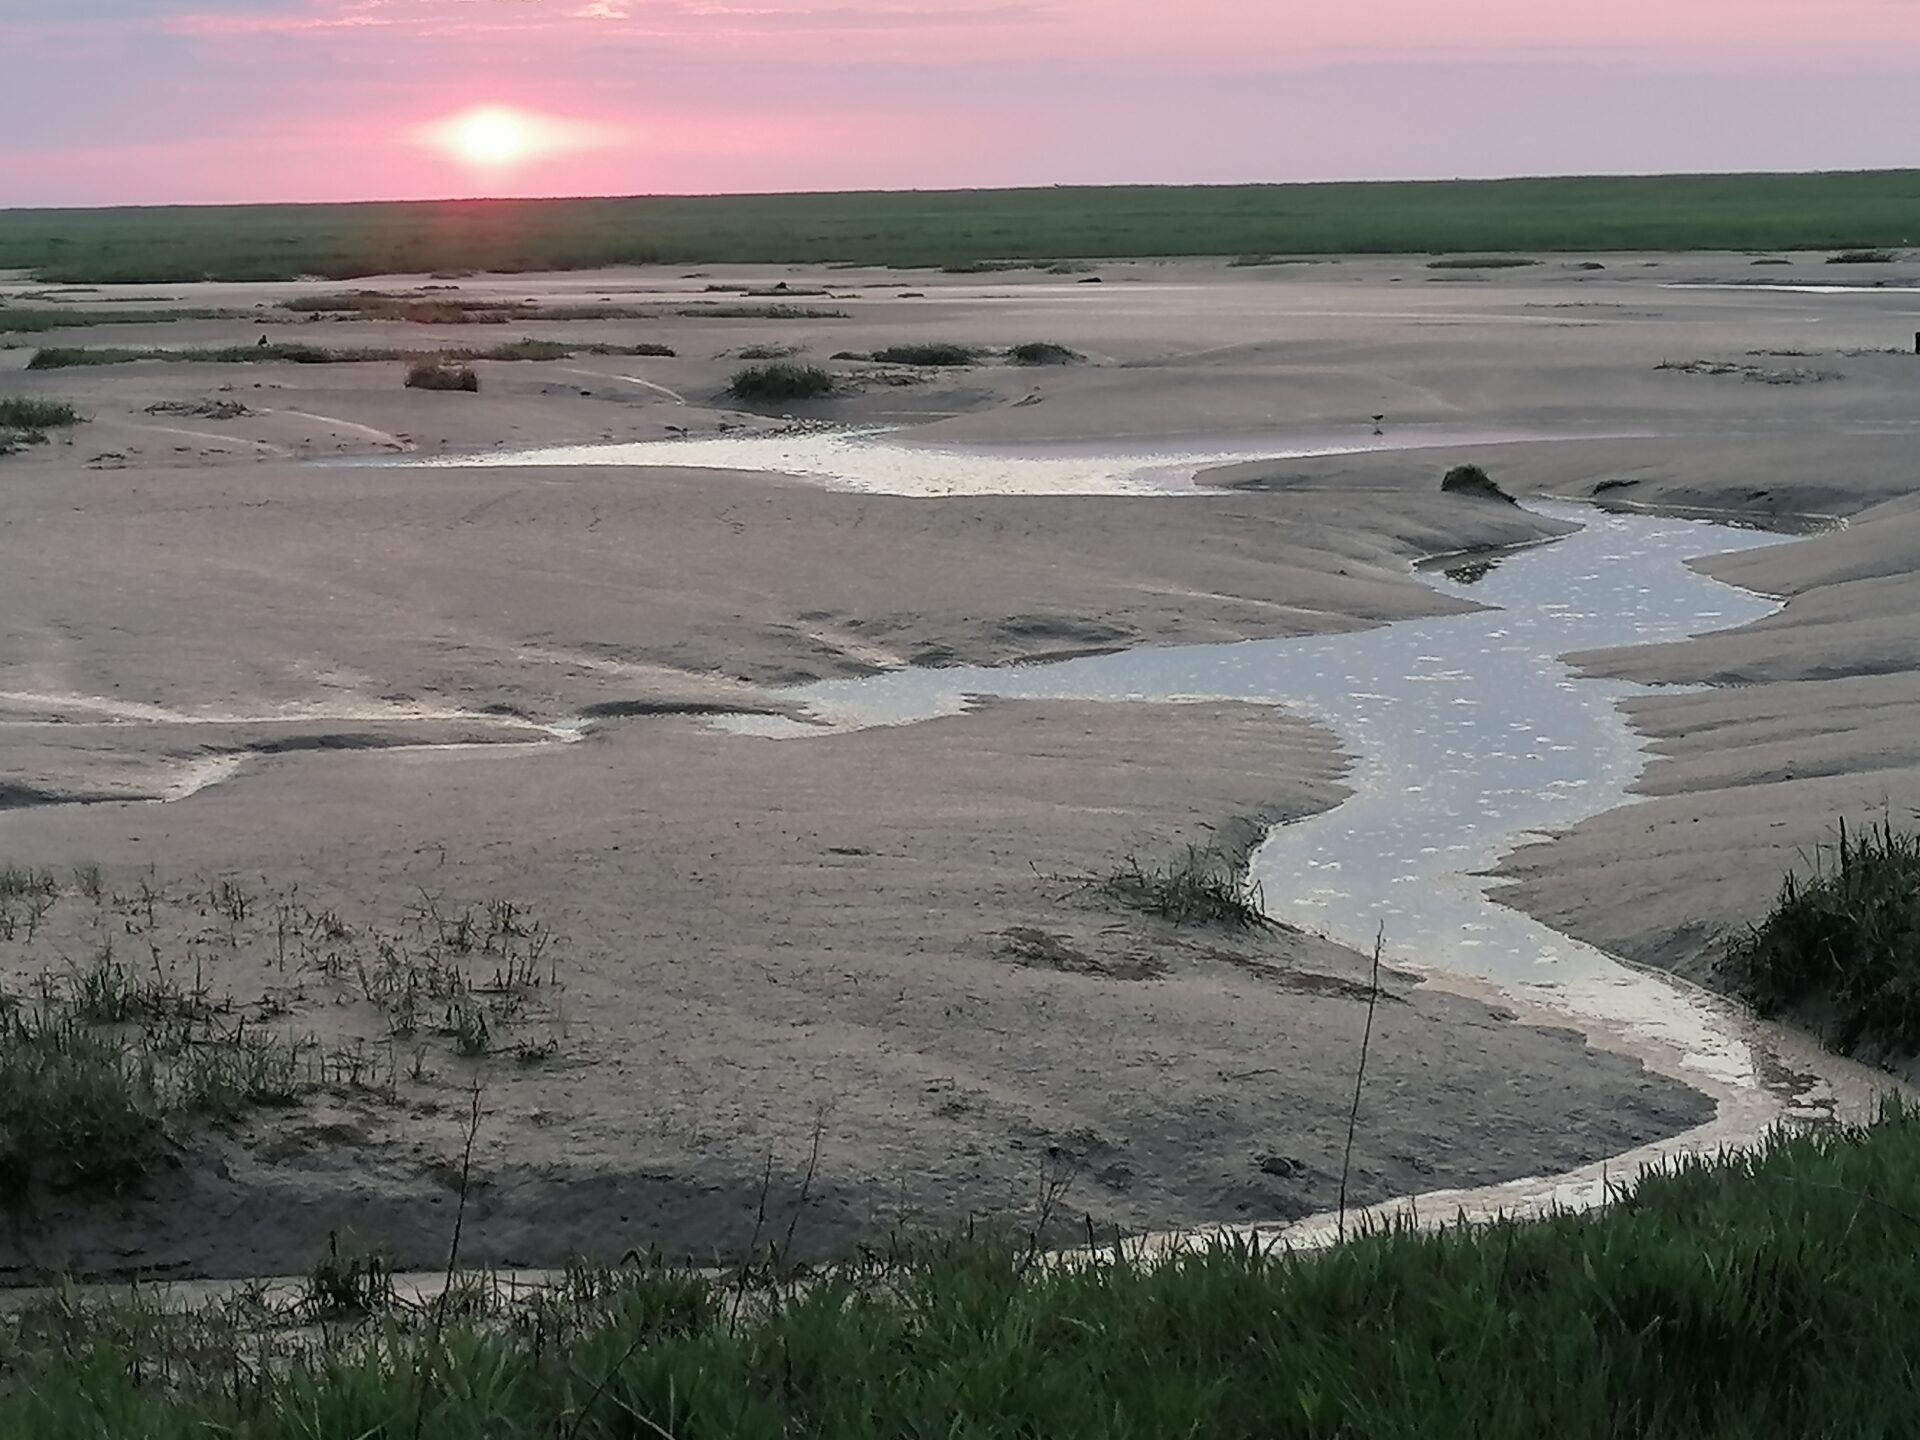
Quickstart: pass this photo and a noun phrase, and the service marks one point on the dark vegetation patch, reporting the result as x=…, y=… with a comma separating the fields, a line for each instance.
x=1842, y=945
x=937, y=353
x=70, y=357
x=1043, y=352
x=780, y=380
x=1863, y=257
x=442, y=375
x=58, y=358
x=424, y=309
x=760, y=312
x=1590, y=214
x=15, y=320
x=1472, y=480
x=1203, y=886
x=1480, y=262
x=118, y=1050
x=1030, y=945
x=989, y=267
x=28, y=412
x=1757, y=374
x=209, y=409
x=635, y=709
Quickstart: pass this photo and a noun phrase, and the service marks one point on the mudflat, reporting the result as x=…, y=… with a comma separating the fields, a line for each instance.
x=325, y=724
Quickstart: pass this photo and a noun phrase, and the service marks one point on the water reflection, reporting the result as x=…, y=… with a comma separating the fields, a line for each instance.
x=880, y=461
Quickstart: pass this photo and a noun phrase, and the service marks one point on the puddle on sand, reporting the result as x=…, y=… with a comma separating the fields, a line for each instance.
x=879, y=462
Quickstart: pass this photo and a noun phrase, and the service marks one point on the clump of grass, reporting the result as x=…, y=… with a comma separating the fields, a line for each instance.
x=18, y=881
x=416, y=309
x=1043, y=352
x=1843, y=944
x=442, y=375
x=16, y=320
x=1201, y=887
x=27, y=412
x=938, y=353
x=524, y=349
x=780, y=352
x=1472, y=480
x=780, y=380
x=1863, y=257
x=644, y=347
x=531, y=349
x=77, y=1107
x=760, y=312
x=350, y=1282
x=57, y=357
x=213, y=408
x=69, y=357
x=1479, y=262
x=990, y=267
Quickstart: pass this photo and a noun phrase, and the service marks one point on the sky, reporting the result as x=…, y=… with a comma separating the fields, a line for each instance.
x=195, y=101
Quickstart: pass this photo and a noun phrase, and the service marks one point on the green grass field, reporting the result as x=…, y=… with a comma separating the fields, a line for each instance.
x=965, y=228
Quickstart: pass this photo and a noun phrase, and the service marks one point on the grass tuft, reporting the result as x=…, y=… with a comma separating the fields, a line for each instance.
x=76, y=1108
x=16, y=320
x=1480, y=262
x=1472, y=480
x=1863, y=257
x=1842, y=945
x=441, y=375
x=938, y=353
x=760, y=312
x=1044, y=352
x=1202, y=887
x=25, y=412
x=780, y=380
x=68, y=357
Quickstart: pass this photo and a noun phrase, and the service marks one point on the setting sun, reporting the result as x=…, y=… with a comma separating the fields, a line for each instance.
x=490, y=137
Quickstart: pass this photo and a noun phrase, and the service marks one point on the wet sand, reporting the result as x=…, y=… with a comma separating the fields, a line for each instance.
x=763, y=943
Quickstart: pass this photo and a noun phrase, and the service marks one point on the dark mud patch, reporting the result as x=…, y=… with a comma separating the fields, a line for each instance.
x=1030, y=945
x=16, y=796
x=641, y=709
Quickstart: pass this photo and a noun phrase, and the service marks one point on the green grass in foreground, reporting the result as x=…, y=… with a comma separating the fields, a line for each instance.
x=1843, y=944
x=1772, y=1294
x=966, y=230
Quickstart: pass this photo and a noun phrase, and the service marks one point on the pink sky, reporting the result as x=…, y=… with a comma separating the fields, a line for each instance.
x=152, y=101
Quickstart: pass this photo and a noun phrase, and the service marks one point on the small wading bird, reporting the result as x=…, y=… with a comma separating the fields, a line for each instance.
x=1378, y=421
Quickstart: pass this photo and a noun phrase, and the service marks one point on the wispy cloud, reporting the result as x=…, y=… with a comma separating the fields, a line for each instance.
x=555, y=21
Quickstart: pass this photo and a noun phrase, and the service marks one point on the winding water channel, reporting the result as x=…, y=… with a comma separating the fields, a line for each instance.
x=1470, y=735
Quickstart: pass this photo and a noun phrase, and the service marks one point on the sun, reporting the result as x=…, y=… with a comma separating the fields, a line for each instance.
x=491, y=137
x=497, y=142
